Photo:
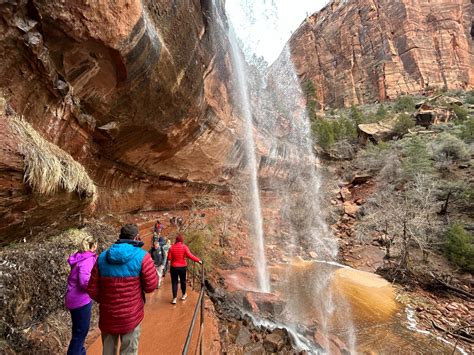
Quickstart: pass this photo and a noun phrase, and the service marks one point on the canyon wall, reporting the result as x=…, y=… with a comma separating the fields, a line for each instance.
x=135, y=91
x=362, y=51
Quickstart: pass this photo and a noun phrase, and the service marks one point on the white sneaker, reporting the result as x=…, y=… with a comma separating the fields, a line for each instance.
x=173, y=301
x=184, y=297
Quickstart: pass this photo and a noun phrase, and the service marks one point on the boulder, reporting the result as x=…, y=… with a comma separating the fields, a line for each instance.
x=274, y=342
x=246, y=261
x=346, y=194
x=351, y=208
x=243, y=337
x=263, y=304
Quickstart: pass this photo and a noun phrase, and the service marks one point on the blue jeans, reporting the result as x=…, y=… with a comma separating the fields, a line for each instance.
x=81, y=319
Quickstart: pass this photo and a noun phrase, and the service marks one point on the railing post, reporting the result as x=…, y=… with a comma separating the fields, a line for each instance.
x=199, y=304
x=201, y=350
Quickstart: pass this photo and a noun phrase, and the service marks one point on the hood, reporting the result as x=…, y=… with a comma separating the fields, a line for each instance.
x=120, y=253
x=135, y=243
x=79, y=256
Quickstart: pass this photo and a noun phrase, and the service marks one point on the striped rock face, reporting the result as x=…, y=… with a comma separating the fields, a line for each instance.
x=361, y=51
x=135, y=91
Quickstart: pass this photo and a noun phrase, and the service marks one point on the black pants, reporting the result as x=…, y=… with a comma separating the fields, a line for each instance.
x=178, y=272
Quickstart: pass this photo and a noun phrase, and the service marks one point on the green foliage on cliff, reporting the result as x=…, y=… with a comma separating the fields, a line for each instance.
x=404, y=123
x=310, y=93
x=404, y=104
x=416, y=157
x=201, y=243
x=327, y=132
x=470, y=97
x=466, y=132
x=460, y=112
x=356, y=115
x=459, y=247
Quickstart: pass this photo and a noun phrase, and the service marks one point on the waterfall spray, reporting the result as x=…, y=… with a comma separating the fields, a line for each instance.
x=241, y=99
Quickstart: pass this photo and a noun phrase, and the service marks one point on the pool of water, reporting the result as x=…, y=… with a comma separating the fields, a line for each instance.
x=356, y=306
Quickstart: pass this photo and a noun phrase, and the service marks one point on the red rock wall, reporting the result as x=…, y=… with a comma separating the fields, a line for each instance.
x=363, y=51
x=134, y=90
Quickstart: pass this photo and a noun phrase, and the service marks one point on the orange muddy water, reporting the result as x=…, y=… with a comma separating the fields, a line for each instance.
x=379, y=322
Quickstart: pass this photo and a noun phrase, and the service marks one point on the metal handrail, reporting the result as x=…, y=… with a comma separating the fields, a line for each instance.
x=199, y=304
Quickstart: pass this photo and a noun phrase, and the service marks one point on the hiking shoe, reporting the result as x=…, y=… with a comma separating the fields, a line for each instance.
x=184, y=297
x=173, y=301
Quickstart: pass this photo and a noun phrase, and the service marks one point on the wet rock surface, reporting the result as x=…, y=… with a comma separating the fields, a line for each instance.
x=133, y=90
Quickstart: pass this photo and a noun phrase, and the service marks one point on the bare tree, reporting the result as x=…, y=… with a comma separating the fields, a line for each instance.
x=403, y=218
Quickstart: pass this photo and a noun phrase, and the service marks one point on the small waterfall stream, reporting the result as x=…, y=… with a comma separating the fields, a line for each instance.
x=241, y=99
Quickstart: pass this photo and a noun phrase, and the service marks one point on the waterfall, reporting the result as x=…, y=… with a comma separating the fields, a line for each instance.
x=280, y=113
x=241, y=99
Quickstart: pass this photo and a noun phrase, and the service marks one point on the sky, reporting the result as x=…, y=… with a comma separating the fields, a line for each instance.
x=264, y=26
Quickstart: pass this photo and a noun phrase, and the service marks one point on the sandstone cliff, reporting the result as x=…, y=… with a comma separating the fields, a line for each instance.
x=133, y=90
x=361, y=51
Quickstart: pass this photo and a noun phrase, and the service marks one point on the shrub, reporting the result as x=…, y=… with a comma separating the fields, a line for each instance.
x=373, y=157
x=200, y=242
x=467, y=130
x=449, y=146
x=417, y=159
x=324, y=133
x=356, y=115
x=459, y=247
x=310, y=93
x=470, y=97
x=328, y=132
x=460, y=112
x=381, y=112
x=404, y=123
x=404, y=104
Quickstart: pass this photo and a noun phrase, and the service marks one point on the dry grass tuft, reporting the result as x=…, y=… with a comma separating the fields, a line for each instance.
x=47, y=167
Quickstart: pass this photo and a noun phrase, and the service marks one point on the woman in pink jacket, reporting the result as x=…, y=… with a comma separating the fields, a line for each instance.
x=77, y=300
x=177, y=258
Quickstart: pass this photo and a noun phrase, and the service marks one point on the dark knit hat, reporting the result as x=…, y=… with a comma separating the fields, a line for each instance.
x=179, y=238
x=128, y=231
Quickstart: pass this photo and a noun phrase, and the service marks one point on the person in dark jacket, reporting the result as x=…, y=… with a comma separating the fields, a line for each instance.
x=120, y=277
x=165, y=244
x=77, y=300
x=177, y=257
x=158, y=256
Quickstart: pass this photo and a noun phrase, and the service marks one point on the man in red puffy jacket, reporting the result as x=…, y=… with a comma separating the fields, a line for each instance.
x=119, y=280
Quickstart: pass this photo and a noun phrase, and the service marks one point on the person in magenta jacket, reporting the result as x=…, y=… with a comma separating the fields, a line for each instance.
x=77, y=299
x=177, y=257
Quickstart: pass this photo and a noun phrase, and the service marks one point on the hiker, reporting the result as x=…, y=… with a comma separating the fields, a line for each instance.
x=77, y=300
x=120, y=278
x=157, y=229
x=158, y=256
x=177, y=257
x=165, y=244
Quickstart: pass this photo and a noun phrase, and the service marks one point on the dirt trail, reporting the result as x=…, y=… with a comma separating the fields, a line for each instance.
x=165, y=326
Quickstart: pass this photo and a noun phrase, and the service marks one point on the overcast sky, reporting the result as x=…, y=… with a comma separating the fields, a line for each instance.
x=266, y=25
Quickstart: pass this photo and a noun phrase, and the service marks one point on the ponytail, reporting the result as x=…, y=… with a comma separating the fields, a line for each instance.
x=88, y=243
